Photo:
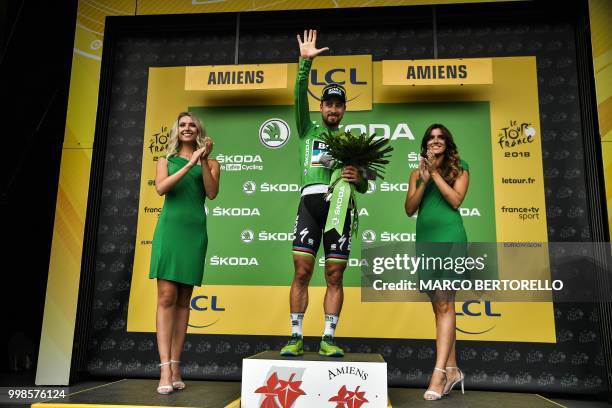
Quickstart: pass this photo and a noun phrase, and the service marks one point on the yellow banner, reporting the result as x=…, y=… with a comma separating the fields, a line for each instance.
x=354, y=72
x=221, y=309
x=518, y=183
x=517, y=155
x=473, y=71
x=235, y=77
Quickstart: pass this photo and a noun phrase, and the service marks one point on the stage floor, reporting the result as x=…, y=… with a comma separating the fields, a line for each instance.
x=219, y=394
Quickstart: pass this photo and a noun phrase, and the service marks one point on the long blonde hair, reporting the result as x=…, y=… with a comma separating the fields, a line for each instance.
x=174, y=143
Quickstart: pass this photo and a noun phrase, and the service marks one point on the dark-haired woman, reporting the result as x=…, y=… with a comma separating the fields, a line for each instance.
x=436, y=190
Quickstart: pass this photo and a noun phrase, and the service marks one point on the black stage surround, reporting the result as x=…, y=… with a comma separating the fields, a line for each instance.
x=576, y=364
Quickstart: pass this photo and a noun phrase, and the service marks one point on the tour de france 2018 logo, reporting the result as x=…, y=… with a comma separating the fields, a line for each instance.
x=158, y=143
x=274, y=133
x=515, y=135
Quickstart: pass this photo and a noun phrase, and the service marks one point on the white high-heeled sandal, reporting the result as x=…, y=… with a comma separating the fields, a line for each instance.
x=178, y=385
x=448, y=388
x=165, y=389
x=436, y=395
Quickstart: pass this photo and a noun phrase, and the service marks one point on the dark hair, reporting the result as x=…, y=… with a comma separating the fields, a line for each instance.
x=450, y=168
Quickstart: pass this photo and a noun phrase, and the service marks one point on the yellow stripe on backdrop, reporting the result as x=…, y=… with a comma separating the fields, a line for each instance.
x=64, y=269
x=59, y=318
x=207, y=6
x=600, y=12
x=601, y=39
x=606, y=152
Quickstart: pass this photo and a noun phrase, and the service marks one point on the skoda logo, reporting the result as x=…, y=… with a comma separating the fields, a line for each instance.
x=247, y=236
x=249, y=187
x=371, y=186
x=368, y=236
x=274, y=133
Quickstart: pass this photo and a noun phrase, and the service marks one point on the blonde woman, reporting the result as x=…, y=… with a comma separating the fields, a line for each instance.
x=186, y=177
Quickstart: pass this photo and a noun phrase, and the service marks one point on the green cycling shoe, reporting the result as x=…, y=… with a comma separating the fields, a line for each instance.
x=329, y=348
x=294, y=347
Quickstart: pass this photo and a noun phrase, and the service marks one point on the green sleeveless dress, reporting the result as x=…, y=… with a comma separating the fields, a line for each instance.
x=180, y=239
x=439, y=223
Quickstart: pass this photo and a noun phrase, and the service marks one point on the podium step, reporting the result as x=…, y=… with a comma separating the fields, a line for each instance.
x=312, y=380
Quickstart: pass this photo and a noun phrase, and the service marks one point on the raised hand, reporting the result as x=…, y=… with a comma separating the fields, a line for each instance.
x=308, y=47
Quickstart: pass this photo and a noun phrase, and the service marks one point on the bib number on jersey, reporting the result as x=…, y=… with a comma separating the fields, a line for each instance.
x=318, y=149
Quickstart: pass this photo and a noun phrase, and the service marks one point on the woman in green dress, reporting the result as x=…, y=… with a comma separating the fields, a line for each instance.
x=186, y=177
x=436, y=190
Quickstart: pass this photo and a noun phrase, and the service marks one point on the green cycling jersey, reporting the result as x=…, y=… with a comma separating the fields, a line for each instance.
x=312, y=146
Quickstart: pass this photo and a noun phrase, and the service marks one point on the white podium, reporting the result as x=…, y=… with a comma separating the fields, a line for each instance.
x=356, y=380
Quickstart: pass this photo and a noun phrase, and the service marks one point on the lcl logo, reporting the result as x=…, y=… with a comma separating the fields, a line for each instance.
x=475, y=308
x=335, y=76
x=205, y=304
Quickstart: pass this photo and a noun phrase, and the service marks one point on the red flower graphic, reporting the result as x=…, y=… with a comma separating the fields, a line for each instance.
x=285, y=392
x=356, y=398
x=340, y=399
x=288, y=391
x=349, y=399
x=269, y=391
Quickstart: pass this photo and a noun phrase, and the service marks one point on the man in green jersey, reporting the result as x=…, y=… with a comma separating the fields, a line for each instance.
x=313, y=208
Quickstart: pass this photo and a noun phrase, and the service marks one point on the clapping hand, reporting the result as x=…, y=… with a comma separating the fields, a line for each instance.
x=208, y=146
x=195, y=156
x=430, y=162
x=423, y=170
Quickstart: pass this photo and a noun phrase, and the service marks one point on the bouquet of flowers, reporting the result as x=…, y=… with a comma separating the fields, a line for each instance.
x=368, y=154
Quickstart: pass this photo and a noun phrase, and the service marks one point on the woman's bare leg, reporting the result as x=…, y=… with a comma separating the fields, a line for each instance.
x=444, y=308
x=181, y=320
x=167, y=293
x=452, y=374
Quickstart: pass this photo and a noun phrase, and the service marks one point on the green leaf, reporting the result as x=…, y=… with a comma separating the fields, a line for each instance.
x=360, y=150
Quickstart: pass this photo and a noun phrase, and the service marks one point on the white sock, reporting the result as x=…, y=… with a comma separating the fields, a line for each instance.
x=331, y=321
x=296, y=323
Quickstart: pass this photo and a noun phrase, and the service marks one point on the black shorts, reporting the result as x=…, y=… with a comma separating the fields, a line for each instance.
x=309, y=224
